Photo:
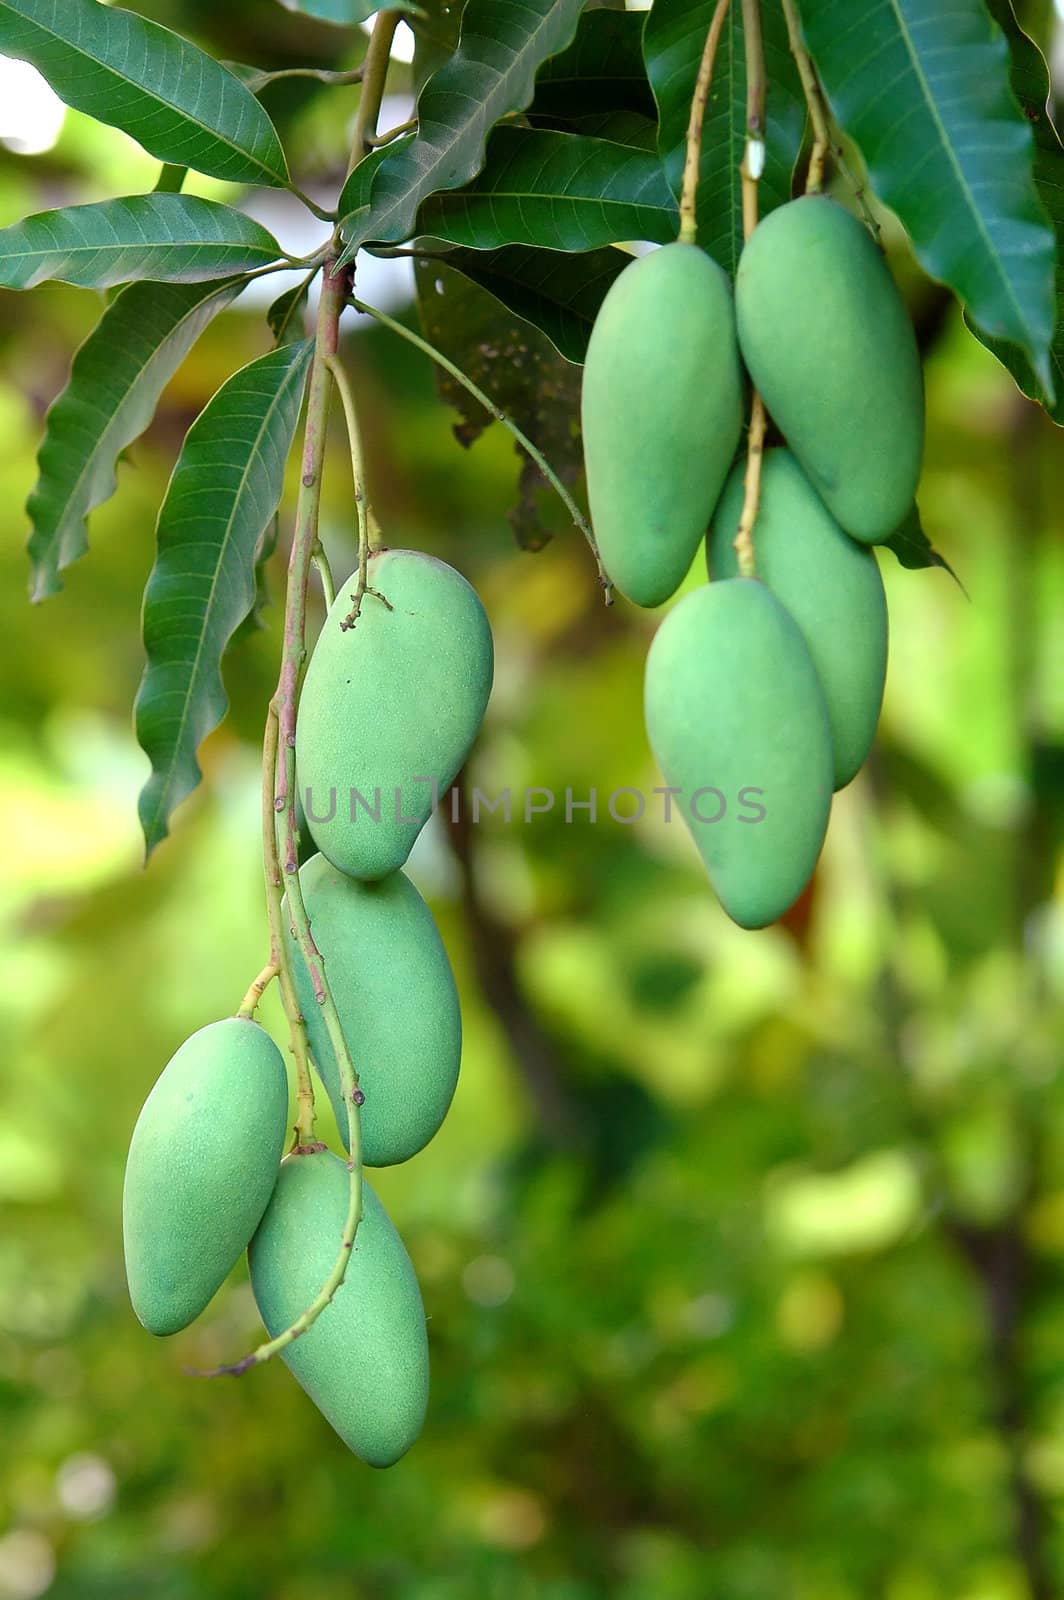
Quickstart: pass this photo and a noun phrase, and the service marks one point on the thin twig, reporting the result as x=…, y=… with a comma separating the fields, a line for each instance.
x=814, y=100
x=752, y=166
x=579, y=520
x=376, y=140
x=280, y=953
x=693, y=160
x=324, y=571
x=375, y=68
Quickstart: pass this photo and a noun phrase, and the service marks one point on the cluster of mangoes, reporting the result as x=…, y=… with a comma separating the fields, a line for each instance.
x=771, y=684
x=389, y=709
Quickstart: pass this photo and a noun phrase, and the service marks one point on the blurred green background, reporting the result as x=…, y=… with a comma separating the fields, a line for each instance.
x=743, y=1254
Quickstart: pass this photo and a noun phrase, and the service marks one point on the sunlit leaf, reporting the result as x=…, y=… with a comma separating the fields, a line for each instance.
x=165, y=92
x=174, y=238
x=220, y=502
x=115, y=383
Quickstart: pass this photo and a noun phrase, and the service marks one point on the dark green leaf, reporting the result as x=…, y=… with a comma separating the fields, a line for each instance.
x=518, y=368
x=672, y=44
x=1029, y=77
x=285, y=316
x=115, y=382
x=171, y=179
x=923, y=91
x=602, y=70
x=220, y=501
x=491, y=73
x=558, y=293
x=558, y=190
x=170, y=96
x=913, y=548
x=176, y=238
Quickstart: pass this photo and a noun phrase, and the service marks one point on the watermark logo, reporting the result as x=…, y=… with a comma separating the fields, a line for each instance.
x=704, y=806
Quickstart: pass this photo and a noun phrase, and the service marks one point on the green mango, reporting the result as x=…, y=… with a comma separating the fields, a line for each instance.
x=737, y=721
x=396, y=699
x=831, y=587
x=365, y=1361
x=201, y=1167
x=397, y=1004
x=828, y=342
x=662, y=411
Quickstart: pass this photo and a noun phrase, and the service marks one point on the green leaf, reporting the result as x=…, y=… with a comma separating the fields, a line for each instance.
x=173, y=238
x=923, y=91
x=602, y=70
x=341, y=13
x=672, y=44
x=115, y=382
x=285, y=316
x=1029, y=77
x=557, y=292
x=175, y=100
x=221, y=499
x=914, y=550
x=491, y=73
x=558, y=190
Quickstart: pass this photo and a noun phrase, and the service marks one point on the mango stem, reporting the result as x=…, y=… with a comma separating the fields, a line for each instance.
x=814, y=100
x=753, y=164
x=256, y=989
x=693, y=160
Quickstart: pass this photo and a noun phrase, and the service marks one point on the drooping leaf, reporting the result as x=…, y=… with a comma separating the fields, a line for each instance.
x=166, y=93
x=341, y=13
x=1029, y=77
x=518, y=368
x=602, y=70
x=502, y=44
x=173, y=238
x=115, y=382
x=557, y=292
x=913, y=548
x=672, y=44
x=221, y=499
x=923, y=90
x=559, y=190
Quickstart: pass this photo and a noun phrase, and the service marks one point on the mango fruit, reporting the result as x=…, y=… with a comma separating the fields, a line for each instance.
x=202, y=1164
x=830, y=585
x=389, y=708
x=661, y=409
x=364, y=1362
x=737, y=722
x=397, y=1003
x=828, y=342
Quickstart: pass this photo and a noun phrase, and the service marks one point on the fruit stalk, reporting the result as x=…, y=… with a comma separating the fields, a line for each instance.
x=814, y=100
x=689, y=190
x=752, y=164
